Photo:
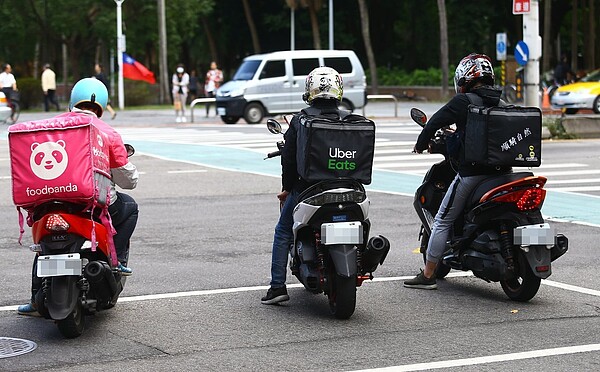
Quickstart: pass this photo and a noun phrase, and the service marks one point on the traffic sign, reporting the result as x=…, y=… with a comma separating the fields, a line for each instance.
x=501, y=46
x=521, y=6
x=521, y=53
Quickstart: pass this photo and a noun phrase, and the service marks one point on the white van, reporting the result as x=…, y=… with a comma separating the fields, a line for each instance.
x=273, y=83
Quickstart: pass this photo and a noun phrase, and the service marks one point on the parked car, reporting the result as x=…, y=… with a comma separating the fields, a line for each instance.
x=5, y=110
x=583, y=94
x=273, y=83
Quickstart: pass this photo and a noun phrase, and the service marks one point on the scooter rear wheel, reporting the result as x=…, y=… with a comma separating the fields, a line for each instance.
x=342, y=296
x=525, y=286
x=73, y=325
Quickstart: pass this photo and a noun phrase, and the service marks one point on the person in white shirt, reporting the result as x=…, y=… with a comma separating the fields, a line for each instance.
x=180, y=81
x=8, y=85
x=49, y=88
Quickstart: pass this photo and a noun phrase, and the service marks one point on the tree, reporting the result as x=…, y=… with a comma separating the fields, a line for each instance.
x=364, y=20
x=443, y=45
x=313, y=8
x=250, y=20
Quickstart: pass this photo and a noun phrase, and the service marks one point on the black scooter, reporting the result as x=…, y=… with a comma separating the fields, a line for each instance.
x=502, y=236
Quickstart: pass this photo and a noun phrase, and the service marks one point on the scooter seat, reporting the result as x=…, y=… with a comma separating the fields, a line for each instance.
x=495, y=181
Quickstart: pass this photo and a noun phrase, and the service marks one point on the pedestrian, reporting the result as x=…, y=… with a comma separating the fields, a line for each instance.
x=214, y=78
x=474, y=74
x=181, y=81
x=49, y=88
x=323, y=91
x=193, y=87
x=100, y=76
x=562, y=72
x=8, y=85
x=89, y=97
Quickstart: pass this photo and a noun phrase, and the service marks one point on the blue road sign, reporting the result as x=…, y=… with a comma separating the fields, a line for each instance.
x=521, y=53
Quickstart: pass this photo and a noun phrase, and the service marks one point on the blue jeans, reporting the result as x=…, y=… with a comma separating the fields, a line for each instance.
x=451, y=208
x=124, y=216
x=282, y=240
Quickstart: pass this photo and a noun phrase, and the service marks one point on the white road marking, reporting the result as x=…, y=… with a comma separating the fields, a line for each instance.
x=207, y=292
x=489, y=359
x=188, y=171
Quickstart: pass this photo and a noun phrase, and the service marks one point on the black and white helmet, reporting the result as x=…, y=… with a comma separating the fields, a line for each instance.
x=474, y=67
x=325, y=83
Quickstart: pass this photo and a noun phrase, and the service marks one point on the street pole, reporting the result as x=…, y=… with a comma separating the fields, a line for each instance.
x=330, y=24
x=162, y=52
x=292, y=29
x=531, y=37
x=120, y=50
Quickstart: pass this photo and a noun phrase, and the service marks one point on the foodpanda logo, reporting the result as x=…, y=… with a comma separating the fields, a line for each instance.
x=49, y=159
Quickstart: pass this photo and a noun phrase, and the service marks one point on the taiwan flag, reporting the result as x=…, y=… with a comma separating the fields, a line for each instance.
x=134, y=70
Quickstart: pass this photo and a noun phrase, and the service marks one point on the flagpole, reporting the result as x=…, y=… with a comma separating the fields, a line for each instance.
x=120, y=50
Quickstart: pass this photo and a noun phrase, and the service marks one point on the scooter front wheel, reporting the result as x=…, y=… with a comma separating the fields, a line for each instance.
x=342, y=296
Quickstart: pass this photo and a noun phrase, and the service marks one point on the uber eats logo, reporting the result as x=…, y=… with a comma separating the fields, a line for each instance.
x=341, y=160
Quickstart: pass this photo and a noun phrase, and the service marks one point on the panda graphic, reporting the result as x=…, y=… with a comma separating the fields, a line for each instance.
x=49, y=159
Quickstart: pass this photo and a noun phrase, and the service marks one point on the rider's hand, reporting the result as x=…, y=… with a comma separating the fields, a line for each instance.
x=416, y=151
x=283, y=195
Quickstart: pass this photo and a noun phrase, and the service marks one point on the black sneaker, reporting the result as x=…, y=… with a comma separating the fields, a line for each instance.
x=421, y=282
x=275, y=296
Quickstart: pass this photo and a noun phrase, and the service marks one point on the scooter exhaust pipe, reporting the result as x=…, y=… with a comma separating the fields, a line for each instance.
x=97, y=272
x=375, y=253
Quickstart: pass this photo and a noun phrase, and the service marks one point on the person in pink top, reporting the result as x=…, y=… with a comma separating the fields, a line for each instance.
x=89, y=97
x=214, y=78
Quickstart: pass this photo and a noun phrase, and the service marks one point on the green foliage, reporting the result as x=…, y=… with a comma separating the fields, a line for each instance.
x=139, y=93
x=556, y=128
x=31, y=92
x=396, y=76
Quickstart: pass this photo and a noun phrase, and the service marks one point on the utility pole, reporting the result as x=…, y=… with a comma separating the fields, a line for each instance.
x=531, y=37
x=120, y=50
x=162, y=52
x=330, y=24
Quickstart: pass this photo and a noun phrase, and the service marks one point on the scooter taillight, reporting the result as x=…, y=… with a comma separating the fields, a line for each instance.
x=525, y=199
x=56, y=223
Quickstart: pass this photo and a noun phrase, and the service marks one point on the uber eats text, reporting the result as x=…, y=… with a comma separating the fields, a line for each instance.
x=341, y=160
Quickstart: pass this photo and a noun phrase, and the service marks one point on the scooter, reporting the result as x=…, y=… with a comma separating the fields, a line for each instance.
x=332, y=252
x=74, y=278
x=502, y=236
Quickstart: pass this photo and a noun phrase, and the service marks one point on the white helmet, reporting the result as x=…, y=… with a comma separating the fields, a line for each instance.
x=325, y=83
x=474, y=67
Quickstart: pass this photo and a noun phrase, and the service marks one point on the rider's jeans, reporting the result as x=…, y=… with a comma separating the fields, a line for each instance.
x=450, y=209
x=282, y=240
x=124, y=216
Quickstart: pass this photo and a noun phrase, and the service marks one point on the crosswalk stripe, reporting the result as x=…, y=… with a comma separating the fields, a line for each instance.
x=574, y=180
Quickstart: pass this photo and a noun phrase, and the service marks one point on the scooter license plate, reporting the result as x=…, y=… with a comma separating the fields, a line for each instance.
x=342, y=233
x=540, y=234
x=221, y=111
x=59, y=265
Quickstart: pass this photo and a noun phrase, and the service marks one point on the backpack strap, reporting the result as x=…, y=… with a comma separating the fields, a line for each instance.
x=474, y=99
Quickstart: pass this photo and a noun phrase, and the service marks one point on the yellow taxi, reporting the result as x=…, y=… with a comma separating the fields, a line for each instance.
x=584, y=94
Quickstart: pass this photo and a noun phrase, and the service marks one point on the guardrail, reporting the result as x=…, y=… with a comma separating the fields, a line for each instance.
x=195, y=102
x=382, y=96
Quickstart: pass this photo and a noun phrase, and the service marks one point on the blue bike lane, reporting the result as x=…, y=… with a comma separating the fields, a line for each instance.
x=560, y=206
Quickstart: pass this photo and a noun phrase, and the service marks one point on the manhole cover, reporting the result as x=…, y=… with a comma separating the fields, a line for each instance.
x=10, y=347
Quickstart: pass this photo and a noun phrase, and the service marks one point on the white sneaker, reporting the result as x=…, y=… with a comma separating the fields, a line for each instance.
x=178, y=119
x=183, y=119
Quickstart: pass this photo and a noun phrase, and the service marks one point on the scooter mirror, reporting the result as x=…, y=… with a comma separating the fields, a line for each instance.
x=130, y=150
x=418, y=116
x=273, y=126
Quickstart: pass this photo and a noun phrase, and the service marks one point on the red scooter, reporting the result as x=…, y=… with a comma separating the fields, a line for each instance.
x=74, y=277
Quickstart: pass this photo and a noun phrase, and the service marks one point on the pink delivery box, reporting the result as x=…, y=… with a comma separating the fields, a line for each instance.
x=64, y=158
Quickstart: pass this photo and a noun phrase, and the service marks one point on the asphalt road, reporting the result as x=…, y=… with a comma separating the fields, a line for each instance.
x=201, y=256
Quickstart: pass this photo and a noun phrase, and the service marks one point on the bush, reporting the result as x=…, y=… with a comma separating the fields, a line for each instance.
x=395, y=76
x=556, y=128
x=31, y=92
x=139, y=93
